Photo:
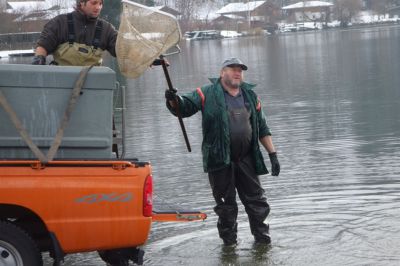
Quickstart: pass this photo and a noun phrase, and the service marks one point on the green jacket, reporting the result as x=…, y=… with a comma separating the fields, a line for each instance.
x=215, y=123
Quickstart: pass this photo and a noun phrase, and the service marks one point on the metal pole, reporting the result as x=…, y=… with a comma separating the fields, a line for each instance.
x=178, y=112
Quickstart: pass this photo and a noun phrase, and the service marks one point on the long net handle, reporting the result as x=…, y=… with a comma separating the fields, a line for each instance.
x=178, y=111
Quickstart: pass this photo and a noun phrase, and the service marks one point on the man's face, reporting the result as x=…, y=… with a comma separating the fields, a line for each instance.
x=232, y=76
x=92, y=8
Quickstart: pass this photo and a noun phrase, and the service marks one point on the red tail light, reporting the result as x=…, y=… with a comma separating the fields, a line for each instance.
x=148, y=197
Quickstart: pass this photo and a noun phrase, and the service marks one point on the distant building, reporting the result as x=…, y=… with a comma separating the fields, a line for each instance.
x=168, y=10
x=229, y=22
x=26, y=7
x=30, y=16
x=41, y=10
x=308, y=11
x=43, y=15
x=240, y=16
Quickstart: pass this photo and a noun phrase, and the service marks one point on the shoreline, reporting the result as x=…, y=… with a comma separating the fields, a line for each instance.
x=16, y=53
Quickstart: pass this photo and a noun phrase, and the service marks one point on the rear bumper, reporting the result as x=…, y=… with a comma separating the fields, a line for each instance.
x=178, y=216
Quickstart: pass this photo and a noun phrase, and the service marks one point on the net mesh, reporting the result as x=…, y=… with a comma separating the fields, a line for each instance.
x=144, y=34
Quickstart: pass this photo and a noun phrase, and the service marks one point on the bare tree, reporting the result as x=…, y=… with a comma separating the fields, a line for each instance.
x=346, y=9
x=186, y=8
x=379, y=6
x=203, y=12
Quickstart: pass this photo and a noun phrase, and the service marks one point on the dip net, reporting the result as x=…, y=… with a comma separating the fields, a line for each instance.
x=144, y=34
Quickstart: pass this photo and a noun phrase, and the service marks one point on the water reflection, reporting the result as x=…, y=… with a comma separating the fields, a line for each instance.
x=332, y=103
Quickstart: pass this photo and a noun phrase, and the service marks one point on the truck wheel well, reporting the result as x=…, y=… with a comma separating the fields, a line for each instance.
x=28, y=221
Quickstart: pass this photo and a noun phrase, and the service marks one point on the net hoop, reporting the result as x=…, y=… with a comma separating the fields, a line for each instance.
x=144, y=34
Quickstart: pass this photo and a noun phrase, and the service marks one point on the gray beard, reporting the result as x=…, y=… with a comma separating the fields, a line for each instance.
x=230, y=84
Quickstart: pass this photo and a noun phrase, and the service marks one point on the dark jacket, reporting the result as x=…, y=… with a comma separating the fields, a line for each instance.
x=215, y=123
x=55, y=32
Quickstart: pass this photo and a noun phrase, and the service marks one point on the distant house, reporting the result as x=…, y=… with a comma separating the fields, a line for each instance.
x=229, y=22
x=40, y=9
x=30, y=16
x=246, y=15
x=307, y=11
x=168, y=10
x=43, y=15
x=25, y=7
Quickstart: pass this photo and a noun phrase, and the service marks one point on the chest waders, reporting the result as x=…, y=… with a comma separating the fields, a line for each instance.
x=72, y=53
x=239, y=127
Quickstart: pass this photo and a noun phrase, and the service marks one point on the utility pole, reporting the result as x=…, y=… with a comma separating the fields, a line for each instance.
x=3, y=5
x=249, y=13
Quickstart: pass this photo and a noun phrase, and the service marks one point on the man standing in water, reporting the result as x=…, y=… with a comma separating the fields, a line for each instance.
x=78, y=38
x=233, y=126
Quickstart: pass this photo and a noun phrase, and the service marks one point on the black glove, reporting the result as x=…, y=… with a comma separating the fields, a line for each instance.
x=158, y=62
x=39, y=60
x=275, y=166
x=170, y=95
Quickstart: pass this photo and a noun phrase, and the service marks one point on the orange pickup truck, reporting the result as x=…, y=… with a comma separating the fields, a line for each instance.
x=71, y=203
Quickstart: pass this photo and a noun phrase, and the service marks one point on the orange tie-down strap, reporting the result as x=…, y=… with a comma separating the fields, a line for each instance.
x=178, y=216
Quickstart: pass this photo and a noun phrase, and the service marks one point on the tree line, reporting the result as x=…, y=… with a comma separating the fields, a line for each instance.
x=343, y=10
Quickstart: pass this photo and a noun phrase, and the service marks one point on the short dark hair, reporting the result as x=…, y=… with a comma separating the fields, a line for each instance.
x=78, y=2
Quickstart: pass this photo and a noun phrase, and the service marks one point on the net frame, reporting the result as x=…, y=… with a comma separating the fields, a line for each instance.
x=144, y=34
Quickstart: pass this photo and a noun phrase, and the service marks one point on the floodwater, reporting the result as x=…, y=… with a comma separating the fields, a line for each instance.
x=332, y=102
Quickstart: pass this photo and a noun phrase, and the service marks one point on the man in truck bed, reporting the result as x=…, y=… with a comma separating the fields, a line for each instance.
x=78, y=38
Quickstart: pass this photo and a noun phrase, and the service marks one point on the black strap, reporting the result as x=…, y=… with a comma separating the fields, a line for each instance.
x=97, y=34
x=71, y=30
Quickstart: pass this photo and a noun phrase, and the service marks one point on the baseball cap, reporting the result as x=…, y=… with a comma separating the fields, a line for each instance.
x=233, y=61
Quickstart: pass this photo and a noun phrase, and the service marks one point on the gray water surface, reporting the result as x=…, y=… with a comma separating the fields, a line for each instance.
x=332, y=102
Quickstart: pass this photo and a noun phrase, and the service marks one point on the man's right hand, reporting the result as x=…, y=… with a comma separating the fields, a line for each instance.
x=275, y=166
x=39, y=60
x=159, y=62
x=170, y=95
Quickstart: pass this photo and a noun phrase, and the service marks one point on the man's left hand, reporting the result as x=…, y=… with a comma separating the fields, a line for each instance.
x=39, y=60
x=275, y=166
